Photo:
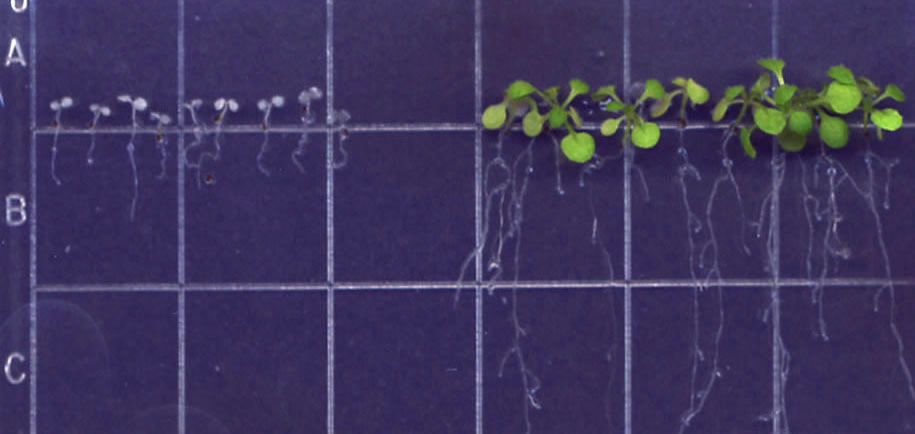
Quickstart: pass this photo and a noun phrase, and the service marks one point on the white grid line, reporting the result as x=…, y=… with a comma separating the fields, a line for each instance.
x=274, y=129
x=451, y=285
x=182, y=360
x=478, y=216
x=33, y=225
x=627, y=230
x=329, y=77
x=406, y=127
x=182, y=311
x=182, y=246
x=775, y=221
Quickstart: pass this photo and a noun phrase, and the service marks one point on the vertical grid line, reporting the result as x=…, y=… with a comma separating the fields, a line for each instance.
x=33, y=225
x=478, y=214
x=775, y=251
x=33, y=124
x=330, y=213
x=180, y=154
x=627, y=231
x=182, y=278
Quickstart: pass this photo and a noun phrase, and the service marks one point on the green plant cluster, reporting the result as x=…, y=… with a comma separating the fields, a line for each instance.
x=519, y=99
x=784, y=111
x=787, y=112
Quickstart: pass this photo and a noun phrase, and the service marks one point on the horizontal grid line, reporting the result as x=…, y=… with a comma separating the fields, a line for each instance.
x=440, y=285
x=259, y=129
x=368, y=128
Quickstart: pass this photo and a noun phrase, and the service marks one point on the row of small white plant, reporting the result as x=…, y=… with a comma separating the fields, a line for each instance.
x=200, y=130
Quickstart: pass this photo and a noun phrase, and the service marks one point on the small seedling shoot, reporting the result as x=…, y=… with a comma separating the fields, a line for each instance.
x=199, y=129
x=267, y=106
x=223, y=106
x=137, y=104
x=306, y=97
x=57, y=106
x=339, y=118
x=162, y=120
x=98, y=111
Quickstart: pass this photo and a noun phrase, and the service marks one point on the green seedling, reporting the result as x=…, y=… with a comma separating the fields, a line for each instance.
x=519, y=100
x=692, y=91
x=643, y=133
x=884, y=119
x=787, y=112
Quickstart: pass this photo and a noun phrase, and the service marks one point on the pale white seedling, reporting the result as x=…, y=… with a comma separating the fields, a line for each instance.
x=98, y=111
x=267, y=106
x=57, y=106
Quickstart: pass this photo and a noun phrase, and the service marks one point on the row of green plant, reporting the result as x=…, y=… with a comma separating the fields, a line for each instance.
x=783, y=110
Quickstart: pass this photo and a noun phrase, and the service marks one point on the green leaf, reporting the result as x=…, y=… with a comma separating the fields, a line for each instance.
x=659, y=107
x=833, y=131
x=653, y=89
x=843, y=98
x=532, y=124
x=646, y=135
x=784, y=93
x=762, y=84
x=494, y=116
x=609, y=126
x=745, y=141
x=720, y=109
x=605, y=92
x=578, y=87
x=576, y=119
x=679, y=81
x=776, y=66
x=800, y=122
x=552, y=93
x=792, y=141
x=614, y=106
x=869, y=86
x=732, y=92
x=519, y=89
x=557, y=117
x=697, y=94
x=578, y=147
x=769, y=120
x=841, y=74
x=889, y=119
x=894, y=92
